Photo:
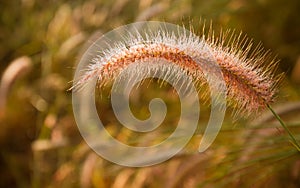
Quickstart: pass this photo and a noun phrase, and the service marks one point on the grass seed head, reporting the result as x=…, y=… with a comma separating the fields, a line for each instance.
x=250, y=85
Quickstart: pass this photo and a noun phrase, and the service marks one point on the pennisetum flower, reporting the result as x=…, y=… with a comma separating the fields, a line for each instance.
x=250, y=85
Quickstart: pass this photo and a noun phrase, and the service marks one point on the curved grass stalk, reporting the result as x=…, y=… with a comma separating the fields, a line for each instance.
x=293, y=140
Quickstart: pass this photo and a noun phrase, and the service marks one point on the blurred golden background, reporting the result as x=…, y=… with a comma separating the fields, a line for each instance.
x=40, y=46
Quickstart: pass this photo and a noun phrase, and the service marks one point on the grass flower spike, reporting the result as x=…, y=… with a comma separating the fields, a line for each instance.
x=251, y=86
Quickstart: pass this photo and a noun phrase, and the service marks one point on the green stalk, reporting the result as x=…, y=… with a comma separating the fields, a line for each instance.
x=294, y=141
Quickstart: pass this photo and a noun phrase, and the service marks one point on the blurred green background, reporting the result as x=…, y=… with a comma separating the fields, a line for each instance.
x=40, y=46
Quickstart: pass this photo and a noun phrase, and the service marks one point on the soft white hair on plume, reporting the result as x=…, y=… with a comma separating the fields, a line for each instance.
x=250, y=85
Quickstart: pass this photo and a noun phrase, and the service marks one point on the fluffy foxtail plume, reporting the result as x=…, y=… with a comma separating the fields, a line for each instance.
x=250, y=85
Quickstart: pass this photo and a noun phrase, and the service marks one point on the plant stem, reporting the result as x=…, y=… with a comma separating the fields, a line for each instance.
x=294, y=141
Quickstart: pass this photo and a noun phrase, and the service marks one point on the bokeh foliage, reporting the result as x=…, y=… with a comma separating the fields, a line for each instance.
x=40, y=143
